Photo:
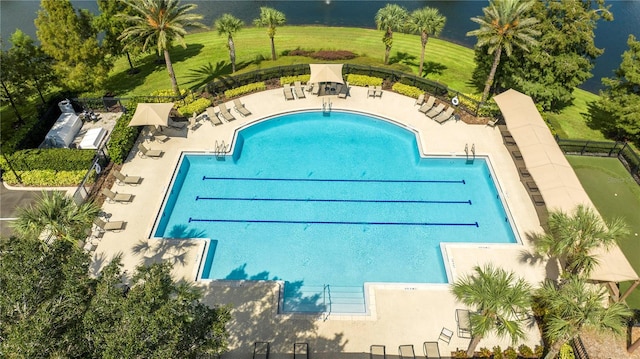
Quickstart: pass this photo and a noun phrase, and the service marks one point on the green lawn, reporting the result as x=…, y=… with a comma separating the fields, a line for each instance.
x=615, y=194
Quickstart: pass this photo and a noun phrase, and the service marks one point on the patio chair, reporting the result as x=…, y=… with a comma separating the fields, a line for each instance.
x=435, y=111
x=464, y=323
x=211, y=114
x=116, y=197
x=378, y=92
x=377, y=352
x=225, y=113
x=431, y=350
x=344, y=91
x=297, y=87
x=158, y=137
x=492, y=123
x=406, y=351
x=124, y=179
x=288, y=93
x=239, y=106
x=261, y=350
x=315, y=90
x=109, y=226
x=444, y=116
x=371, y=92
x=145, y=152
x=301, y=351
x=445, y=335
x=420, y=100
x=427, y=105
x=194, y=122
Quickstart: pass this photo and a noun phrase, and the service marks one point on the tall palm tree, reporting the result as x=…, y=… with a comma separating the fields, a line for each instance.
x=427, y=22
x=270, y=18
x=499, y=298
x=389, y=19
x=570, y=239
x=160, y=22
x=503, y=26
x=58, y=214
x=228, y=24
x=577, y=305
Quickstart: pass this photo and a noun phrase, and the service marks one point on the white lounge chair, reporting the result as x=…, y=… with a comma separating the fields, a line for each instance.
x=239, y=106
x=435, y=111
x=145, y=152
x=124, y=179
x=116, y=197
x=420, y=99
x=288, y=93
x=444, y=116
x=344, y=91
x=297, y=87
x=109, y=226
x=427, y=105
x=211, y=114
x=225, y=113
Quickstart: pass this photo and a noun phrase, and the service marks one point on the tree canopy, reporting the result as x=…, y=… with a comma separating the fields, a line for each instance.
x=390, y=18
x=271, y=19
x=426, y=22
x=228, y=24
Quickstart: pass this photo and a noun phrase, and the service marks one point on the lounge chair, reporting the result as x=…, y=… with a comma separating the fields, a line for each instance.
x=464, y=323
x=300, y=351
x=145, y=152
x=316, y=89
x=406, y=351
x=239, y=106
x=124, y=179
x=492, y=123
x=445, y=335
x=344, y=91
x=377, y=352
x=194, y=122
x=288, y=93
x=431, y=350
x=378, y=91
x=371, y=92
x=211, y=114
x=115, y=196
x=435, y=111
x=226, y=114
x=427, y=105
x=420, y=100
x=159, y=137
x=297, y=87
x=444, y=116
x=108, y=226
x=261, y=350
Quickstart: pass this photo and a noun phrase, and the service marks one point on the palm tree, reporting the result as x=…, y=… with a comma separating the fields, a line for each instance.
x=270, y=18
x=574, y=306
x=228, y=24
x=572, y=238
x=500, y=299
x=503, y=26
x=390, y=18
x=58, y=214
x=160, y=22
x=426, y=22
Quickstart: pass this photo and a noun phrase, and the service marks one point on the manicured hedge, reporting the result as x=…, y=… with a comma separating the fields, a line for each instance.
x=292, y=79
x=45, y=178
x=239, y=91
x=55, y=159
x=407, y=90
x=363, y=80
x=197, y=106
x=123, y=137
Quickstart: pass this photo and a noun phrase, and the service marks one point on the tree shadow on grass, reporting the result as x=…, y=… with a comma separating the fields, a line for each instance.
x=206, y=73
x=601, y=120
x=124, y=81
x=431, y=67
x=179, y=54
x=403, y=58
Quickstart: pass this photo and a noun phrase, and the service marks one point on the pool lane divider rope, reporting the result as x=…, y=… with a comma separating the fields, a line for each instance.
x=475, y=224
x=328, y=180
x=327, y=200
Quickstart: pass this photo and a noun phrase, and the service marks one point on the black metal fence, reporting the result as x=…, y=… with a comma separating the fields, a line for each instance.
x=100, y=162
x=621, y=150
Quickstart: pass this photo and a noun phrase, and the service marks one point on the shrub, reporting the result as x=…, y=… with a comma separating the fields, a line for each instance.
x=56, y=159
x=297, y=52
x=168, y=93
x=460, y=354
x=122, y=137
x=538, y=351
x=510, y=353
x=292, y=79
x=333, y=55
x=484, y=353
x=566, y=352
x=407, y=90
x=238, y=91
x=363, y=80
x=497, y=352
x=525, y=351
x=45, y=178
x=197, y=106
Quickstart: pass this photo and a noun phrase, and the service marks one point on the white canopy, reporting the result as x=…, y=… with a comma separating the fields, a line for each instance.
x=326, y=73
x=63, y=131
x=156, y=114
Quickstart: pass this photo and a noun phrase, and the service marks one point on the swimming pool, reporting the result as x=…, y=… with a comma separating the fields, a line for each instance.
x=336, y=201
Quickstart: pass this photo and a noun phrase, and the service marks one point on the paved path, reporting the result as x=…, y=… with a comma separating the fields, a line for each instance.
x=10, y=201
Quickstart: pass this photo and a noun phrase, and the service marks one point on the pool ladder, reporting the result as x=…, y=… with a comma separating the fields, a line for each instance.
x=473, y=151
x=220, y=149
x=326, y=106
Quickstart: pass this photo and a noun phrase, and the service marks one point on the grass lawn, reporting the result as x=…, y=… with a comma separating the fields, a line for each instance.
x=615, y=194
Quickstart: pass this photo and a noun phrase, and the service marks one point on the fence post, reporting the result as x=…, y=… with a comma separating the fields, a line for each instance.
x=584, y=148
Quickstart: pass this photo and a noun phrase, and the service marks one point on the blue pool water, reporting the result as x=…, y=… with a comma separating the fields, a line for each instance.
x=335, y=200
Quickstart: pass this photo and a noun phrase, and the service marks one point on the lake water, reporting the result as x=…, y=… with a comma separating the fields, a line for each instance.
x=612, y=36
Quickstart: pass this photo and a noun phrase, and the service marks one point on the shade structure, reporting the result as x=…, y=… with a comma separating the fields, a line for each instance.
x=326, y=73
x=155, y=114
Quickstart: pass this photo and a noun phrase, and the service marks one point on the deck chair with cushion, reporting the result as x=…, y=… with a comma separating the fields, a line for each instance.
x=371, y=91
x=445, y=335
x=158, y=136
x=444, y=116
x=288, y=92
x=108, y=226
x=435, y=111
x=116, y=197
x=427, y=105
x=315, y=90
x=377, y=352
x=344, y=91
x=431, y=350
x=225, y=113
x=420, y=100
x=211, y=114
x=301, y=351
x=239, y=106
x=124, y=179
x=261, y=350
x=145, y=152
x=378, y=91
x=406, y=351
x=464, y=323
x=297, y=87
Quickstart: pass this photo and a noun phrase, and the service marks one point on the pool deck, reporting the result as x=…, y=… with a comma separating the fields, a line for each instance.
x=399, y=314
